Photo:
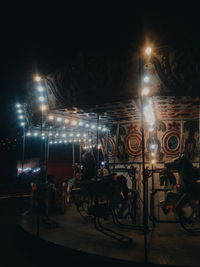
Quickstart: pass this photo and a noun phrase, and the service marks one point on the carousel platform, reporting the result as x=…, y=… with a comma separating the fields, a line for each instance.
x=169, y=244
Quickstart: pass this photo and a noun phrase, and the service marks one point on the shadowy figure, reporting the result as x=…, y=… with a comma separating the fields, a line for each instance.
x=88, y=166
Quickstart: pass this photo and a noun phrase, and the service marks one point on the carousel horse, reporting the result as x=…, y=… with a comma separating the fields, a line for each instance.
x=99, y=198
x=187, y=207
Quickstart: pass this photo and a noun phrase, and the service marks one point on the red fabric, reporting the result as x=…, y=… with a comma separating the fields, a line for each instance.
x=60, y=171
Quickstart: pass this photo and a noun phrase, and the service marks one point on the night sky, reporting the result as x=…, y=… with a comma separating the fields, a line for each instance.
x=43, y=39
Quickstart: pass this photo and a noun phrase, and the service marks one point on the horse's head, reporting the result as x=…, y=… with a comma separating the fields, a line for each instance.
x=177, y=163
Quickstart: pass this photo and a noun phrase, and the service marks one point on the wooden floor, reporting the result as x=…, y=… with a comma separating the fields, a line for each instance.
x=168, y=243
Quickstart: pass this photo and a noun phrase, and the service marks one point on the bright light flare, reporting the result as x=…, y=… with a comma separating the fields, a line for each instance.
x=74, y=122
x=59, y=119
x=51, y=117
x=43, y=107
x=145, y=91
x=38, y=78
x=41, y=98
x=22, y=123
x=149, y=114
x=40, y=89
x=18, y=105
x=153, y=161
x=152, y=146
x=66, y=121
x=148, y=51
x=146, y=79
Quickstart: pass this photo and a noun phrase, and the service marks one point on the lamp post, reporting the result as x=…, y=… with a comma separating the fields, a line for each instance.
x=144, y=94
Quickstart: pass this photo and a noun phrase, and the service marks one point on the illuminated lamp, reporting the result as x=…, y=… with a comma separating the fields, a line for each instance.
x=148, y=51
x=145, y=91
x=146, y=79
x=37, y=78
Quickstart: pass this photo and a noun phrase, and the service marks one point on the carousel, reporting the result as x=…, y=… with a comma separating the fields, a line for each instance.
x=135, y=186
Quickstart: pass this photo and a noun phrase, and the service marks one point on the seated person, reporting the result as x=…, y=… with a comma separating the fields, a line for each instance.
x=168, y=179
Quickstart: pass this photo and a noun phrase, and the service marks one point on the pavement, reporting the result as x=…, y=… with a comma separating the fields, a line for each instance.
x=17, y=248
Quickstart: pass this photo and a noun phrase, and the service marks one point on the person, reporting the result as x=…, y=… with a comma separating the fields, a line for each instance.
x=168, y=179
x=104, y=170
x=88, y=166
x=51, y=191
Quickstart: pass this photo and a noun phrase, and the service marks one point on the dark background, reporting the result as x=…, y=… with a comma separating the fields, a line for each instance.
x=42, y=38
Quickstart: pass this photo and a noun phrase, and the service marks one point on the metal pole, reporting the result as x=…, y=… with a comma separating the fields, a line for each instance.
x=73, y=156
x=199, y=136
x=152, y=190
x=181, y=138
x=47, y=155
x=80, y=151
x=97, y=145
x=116, y=147
x=41, y=129
x=23, y=147
x=145, y=185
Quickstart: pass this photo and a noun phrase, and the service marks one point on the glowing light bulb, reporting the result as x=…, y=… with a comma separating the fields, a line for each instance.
x=28, y=134
x=92, y=126
x=146, y=79
x=35, y=134
x=50, y=142
x=148, y=51
x=43, y=107
x=80, y=123
x=59, y=119
x=74, y=122
x=153, y=161
x=50, y=134
x=51, y=117
x=21, y=117
x=63, y=135
x=87, y=125
x=18, y=105
x=41, y=98
x=22, y=123
x=66, y=121
x=40, y=89
x=37, y=78
x=145, y=91
x=19, y=110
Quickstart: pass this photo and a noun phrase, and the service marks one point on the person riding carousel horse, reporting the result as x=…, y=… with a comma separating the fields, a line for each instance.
x=189, y=179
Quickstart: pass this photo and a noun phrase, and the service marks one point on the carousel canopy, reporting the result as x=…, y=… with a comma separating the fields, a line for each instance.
x=90, y=82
